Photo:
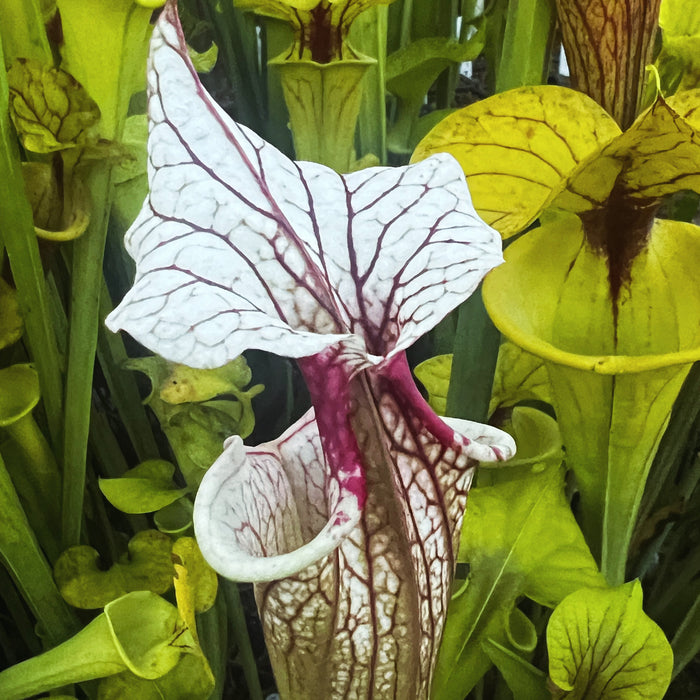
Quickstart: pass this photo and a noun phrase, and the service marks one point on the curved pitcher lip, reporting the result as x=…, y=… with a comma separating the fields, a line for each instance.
x=601, y=364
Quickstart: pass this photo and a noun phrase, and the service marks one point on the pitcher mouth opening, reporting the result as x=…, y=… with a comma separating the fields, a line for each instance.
x=511, y=295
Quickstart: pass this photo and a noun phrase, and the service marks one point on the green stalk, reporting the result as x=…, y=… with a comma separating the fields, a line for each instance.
x=38, y=480
x=234, y=33
x=474, y=361
x=21, y=619
x=524, y=60
x=86, y=283
x=526, y=44
x=239, y=632
x=369, y=36
x=17, y=226
x=662, y=481
x=21, y=555
x=122, y=386
x=63, y=665
x=686, y=641
x=213, y=638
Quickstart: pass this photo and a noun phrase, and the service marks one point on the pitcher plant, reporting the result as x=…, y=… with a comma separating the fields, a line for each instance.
x=349, y=521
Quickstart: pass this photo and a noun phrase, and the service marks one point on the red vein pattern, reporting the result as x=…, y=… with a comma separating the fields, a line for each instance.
x=608, y=43
x=239, y=247
x=364, y=620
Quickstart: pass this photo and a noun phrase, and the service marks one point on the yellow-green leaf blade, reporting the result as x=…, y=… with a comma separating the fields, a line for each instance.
x=658, y=155
x=663, y=149
x=518, y=148
x=50, y=109
x=602, y=646
x=148, y=567
x=143, y=489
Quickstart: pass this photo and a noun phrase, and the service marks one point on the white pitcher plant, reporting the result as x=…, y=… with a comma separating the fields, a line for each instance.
x=349, y=521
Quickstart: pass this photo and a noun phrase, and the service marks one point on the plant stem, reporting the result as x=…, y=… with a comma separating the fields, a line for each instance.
x=41, y=481
x=21, y=554
x=122, y=386
x=686, y=641
x=86, y=283
x=526, y=44
x=474, y=362
x=368, y=35
x=239, y=632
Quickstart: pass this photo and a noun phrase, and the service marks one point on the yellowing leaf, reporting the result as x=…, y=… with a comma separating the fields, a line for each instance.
x=202, y=579
x=662, y=151
x=517, y=149
x=50, y=109
x=602, y=646
x=185, y=384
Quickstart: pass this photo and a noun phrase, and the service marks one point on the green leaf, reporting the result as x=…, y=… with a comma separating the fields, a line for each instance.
x=517, y=148
x=204, y=61
x=539, y=445
x=196, y=431
x=22, y=31
x=143, y=489
x=679, y=60
x=190, y=679
x=51, y=110
x=513, y=550
x=105, y=47
x=153, y=646
x=520, y=376
x=434, y=374
x=411, y=71
x=22, y=557
x=175, y=519
x=602, y=646
x=524, y=680
x=146, y=567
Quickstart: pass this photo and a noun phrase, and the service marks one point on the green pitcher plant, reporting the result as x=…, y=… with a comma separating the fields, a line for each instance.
x=350, y=520
x=603, y=292
x=321, y=75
